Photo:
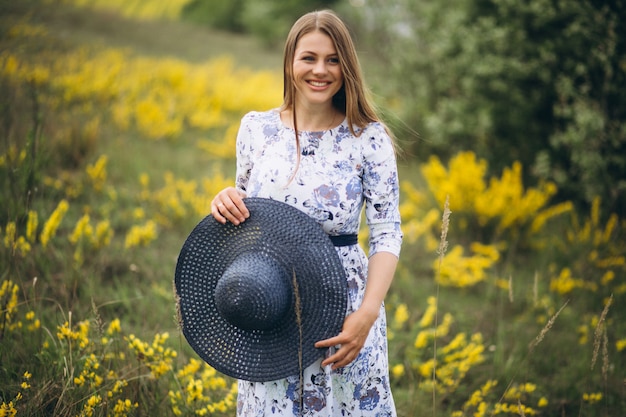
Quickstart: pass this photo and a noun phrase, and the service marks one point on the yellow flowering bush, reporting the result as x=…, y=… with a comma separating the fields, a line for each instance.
x=161, y=97
x=108, y=374
x=197, y=381
x=456, y=355
x=8, y=306
x=18, y=245
x=141, y=235
x=518, y=399
x=465, y=271
x=503, y=204
x=137, y=9
x=592, y=254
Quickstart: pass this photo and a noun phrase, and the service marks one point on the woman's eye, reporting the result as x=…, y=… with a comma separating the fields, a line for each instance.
x=308, y=58
x=334, y=60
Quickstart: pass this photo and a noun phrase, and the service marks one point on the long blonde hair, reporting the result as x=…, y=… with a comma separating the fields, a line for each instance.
x=352, y=98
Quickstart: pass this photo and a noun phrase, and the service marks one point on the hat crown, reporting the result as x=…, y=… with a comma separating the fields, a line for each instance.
x=254, y=293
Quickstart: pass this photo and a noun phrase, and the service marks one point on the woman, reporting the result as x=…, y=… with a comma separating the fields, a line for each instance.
x=325, y=152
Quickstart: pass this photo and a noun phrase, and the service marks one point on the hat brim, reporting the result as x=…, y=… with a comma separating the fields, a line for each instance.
x=300, y=245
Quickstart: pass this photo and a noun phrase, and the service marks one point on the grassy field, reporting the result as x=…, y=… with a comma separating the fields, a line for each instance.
x=116, y=132
x=156, y=38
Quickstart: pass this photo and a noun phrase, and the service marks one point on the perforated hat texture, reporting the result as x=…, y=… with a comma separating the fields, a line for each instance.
x=253, y=299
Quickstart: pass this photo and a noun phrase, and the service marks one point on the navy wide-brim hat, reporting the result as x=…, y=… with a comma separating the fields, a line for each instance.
x=254, y=298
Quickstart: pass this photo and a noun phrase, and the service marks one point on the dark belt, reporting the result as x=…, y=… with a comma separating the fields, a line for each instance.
x=344, y=240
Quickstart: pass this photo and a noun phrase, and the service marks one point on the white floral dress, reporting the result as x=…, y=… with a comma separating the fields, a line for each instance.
x=337, y=173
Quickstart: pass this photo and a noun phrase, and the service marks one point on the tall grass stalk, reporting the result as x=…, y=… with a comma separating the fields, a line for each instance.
x=298, y=309
x=443, y=246
x=535, y=289
x=605, y=356
x=597, y=337
x=545, y=329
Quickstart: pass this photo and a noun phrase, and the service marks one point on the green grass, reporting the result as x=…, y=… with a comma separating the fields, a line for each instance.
x=155, y=38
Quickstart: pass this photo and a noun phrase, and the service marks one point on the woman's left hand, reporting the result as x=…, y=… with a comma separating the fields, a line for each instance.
x=228, y=205
x=355, y=329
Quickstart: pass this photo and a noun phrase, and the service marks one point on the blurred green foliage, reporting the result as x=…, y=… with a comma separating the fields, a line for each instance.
x=270, y=20
x=215, y=13
x=541, y=82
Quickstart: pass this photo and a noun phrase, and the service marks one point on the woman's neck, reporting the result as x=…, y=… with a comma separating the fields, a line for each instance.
x=312, y=119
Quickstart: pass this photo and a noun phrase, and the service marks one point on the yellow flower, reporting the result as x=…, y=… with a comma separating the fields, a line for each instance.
x=7, y=409
x=123, y=407
x=565, y=283
x=429, y=314
x=144, y=180
x=141, y=235
x=31, y=225
x=114, y=327
x=22, y=246
x=94, y=400
x=82, y=228
x=426, y=368
x=98, y=173
x=8, y=293
x=194, y=391
x=79, y=381
x=51, y=225
x=397, y=371
x=592, y=398
x=103, y=235
x=464, y=180
x=465, y=271
x=139, y=213
x=401, y=315
x=9, y=235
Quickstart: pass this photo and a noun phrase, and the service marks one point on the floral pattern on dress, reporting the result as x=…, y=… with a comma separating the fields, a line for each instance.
x=337, y=175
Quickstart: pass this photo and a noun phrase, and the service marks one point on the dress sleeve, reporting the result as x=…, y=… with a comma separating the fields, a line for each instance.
x=243, y=152
x=381, y=191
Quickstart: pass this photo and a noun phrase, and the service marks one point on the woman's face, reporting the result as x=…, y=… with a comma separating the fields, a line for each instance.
x=317, y=73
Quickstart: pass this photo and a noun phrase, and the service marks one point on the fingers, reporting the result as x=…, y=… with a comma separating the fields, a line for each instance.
x=342, y=357
x=333, y=341
x=228, y=205
x=348, y=350
x=351, y=340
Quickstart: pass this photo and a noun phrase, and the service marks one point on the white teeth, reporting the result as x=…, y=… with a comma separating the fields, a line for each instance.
x=317, y=83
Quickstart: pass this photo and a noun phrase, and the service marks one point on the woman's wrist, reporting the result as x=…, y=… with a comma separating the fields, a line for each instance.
x=369, y=312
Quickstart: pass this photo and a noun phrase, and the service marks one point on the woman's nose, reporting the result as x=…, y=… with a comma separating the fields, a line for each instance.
x=320, y=67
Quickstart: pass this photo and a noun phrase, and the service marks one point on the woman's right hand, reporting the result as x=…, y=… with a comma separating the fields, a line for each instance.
x=228, y=205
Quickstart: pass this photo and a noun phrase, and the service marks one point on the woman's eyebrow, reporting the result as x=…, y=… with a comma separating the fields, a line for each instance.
x=315, y=53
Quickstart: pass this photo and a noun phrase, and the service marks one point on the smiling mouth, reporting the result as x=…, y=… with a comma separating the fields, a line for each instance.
x=319, y=83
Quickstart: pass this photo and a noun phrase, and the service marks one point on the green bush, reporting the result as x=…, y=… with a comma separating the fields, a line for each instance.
x=269, y=20
x=219, y=14
x=537, y=82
